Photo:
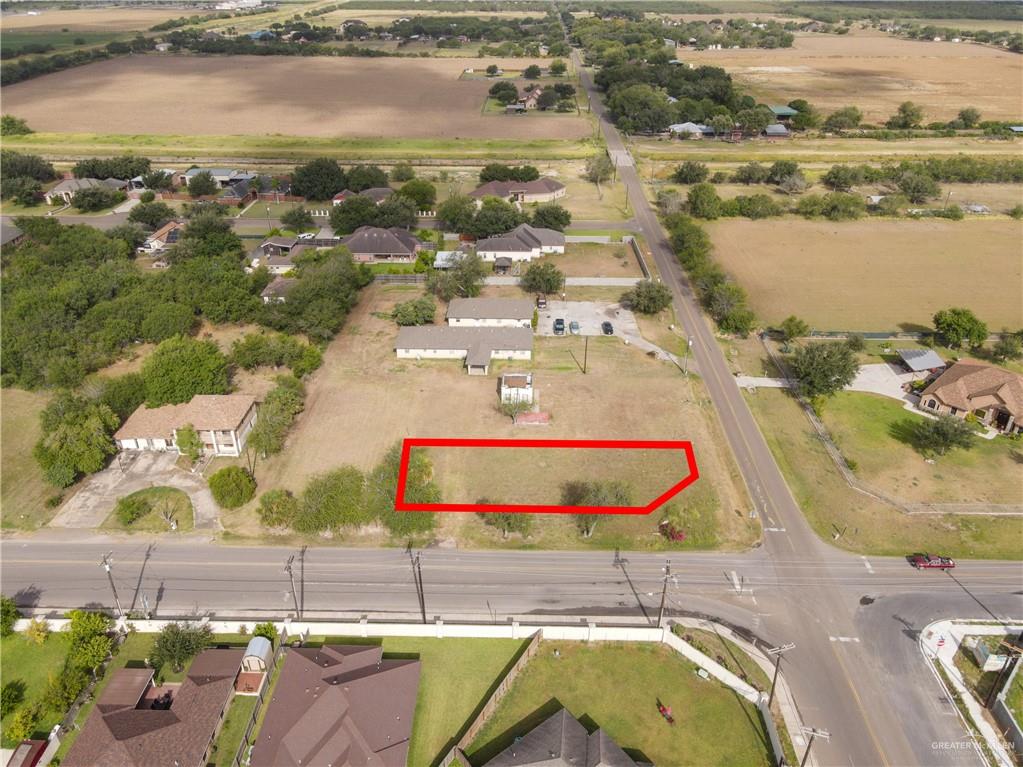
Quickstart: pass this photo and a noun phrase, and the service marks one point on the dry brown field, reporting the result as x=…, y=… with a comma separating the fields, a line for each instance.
x=876, y=73
x=991, y=25
x=382, y=18
x=255, y=95
x=92, y=19
x=593, y=260
x=364, y=400
x=874, y=275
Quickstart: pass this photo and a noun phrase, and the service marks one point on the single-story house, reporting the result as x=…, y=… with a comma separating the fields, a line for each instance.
x=517, y=387
x=277, y=246
x=277, y=291
x=339, y=705
x=223, y=176
x=138, y=184
x=921, y=360
x=562, y=740
x=490, y=312
x=783, y=113
x=162, y=238
x=541, y=190
x=10, y=235
x=994, y=395
x=69, y=187
x=223, y=422
x=476, y=345
x=377, y=194
x=531, y=100
x=237, y=191
x=372, y=243
x=523, y=243
x=776, y=130
x=687, y=129
x=135, y=723
x=280, y=264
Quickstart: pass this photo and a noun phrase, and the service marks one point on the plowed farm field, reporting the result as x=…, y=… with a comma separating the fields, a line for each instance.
x=260, y=95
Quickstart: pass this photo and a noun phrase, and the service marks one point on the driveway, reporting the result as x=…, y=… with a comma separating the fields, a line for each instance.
x=99, y=493
x=590, y=315
x=881, y=378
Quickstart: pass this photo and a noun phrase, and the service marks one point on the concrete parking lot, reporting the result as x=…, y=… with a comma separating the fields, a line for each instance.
x=590, y=315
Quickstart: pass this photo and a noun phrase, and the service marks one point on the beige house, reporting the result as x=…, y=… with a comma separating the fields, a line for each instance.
x=490, y=313
x=478, y=346
x=223, y=422
x=543, y=189
x=992, y=394
x=523, y=243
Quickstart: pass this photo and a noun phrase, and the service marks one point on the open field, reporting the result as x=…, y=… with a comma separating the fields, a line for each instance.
x=868, y=526
x=112, y=19
x=877, y=72
x=874, y=275
x=616, y=686
x=991, y=25
x=375, y=17
x=24, y=491
x=21, y=660
x=625, y=395
x=590, y=260
x=228, y=95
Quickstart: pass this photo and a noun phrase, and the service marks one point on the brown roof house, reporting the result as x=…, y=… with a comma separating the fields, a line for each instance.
x=339, y=705
x=377, y=194
x=372, y=243
x=561, y=741
x=994, y=395
x=134, y=724
x=277, y=291
x=162, y=238
x=523, y=243
x=222, y=420
x=540, y=190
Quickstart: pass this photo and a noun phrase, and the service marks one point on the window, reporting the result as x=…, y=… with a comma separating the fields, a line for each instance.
x=954, y=411
x=981, y=413
x=932, y=404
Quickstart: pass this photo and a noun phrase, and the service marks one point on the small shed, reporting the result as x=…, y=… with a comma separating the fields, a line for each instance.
x=258, y=653
x=776, y=130
x=783, y=113
x=921, y=360
x=502, y=264
x=517, y=387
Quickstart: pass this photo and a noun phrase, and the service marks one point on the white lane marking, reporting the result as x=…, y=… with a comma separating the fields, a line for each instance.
x=867, y=565
x=844, y=639
x=774, y=529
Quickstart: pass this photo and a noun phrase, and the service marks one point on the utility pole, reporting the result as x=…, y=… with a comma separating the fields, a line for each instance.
x=417, y=576
x=813, y=732
x=664, y=590
x=268, y=227
x=586, y=352
x=777, y=652
x=294, y=594
x=689, y=346
x=106, y=564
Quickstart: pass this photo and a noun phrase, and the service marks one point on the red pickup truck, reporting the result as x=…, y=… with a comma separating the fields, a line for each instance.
x=931, y=562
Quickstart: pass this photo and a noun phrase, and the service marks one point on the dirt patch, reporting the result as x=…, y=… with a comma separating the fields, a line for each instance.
x=315, y=96
x=875, y=275
x=876, y=73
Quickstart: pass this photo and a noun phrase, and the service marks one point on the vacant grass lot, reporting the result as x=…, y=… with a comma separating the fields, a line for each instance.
x=162, y=499
x=875, y=432
x=616, y=687
x=593, y=260
x=867, y=526
x=874, y=275
x=23, y=491
x=32, y=665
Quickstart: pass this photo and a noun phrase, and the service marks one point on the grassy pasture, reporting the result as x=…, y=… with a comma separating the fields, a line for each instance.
x=24, y=661
x=23, y=491
x=872, y=274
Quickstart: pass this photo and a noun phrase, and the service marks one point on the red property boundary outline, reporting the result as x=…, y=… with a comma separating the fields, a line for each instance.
x=685, y=446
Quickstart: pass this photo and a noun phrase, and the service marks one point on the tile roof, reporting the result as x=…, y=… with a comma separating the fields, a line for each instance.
x=561, y=741
x=543, y=185
x=972, y=385
x=490, y=309
x=375, y=241
x=205, y=412
x=339, y=705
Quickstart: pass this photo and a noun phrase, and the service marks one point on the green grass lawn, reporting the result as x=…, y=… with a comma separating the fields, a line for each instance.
x=867, y=525
x=161, y=499
x=616, y=687
x=1014, y=698
x=235, y=722
x=31, y=664
x=23, y=492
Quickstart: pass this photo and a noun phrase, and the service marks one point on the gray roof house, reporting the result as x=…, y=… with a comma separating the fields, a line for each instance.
x=277, y=291
x=478, y=346
x=377, y=194
x=561, y=741
x=490, y=312
x=523, y=243
x=371, y=243
x=69, y=187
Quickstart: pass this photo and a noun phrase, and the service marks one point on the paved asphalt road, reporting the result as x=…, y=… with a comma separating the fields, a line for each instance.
x=855, y=671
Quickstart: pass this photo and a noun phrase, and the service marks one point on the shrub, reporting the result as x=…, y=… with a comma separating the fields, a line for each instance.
x=64, y=688
x=704, y=201
x=8, y=616
x=333, y=500
x=232, y=487
x=690, y=172
x=647, y=297
x=277, y=508
x=23, y=724
x=403, y=171
x=1016, y=212
x=11, y=696
x=265, y=630
x=147, y=196
x=132, y=508
x=418, y=311
x=177, y=643
x=38, y=630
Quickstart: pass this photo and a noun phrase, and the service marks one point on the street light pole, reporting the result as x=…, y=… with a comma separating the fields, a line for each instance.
x=813, y=732
x=106, y=564
x=689, y=346
x=268, y=227
x=777, y=652
x=664, y=590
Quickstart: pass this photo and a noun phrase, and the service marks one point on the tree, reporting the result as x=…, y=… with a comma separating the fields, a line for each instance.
x=942, y=434
x=181, y=367
x=297, y=219
x=23, y=724
x=16, y=164
x=806, y=119
x=90, y=653
x=504, y=92
x=456, y=213
x=332, y=501
x=750, y=173
x=278, y=508
x=918, y=187
x=497, y=171
x=203, y=184
x=647, y=297
x=909, y=115
x=157, y=179
x=495, y=216
x=576, y=493
x=84, y=625
x=823, y=369
x=792, y=328
x=132, y=235
x=781, y=170
x=721, y=124
x=969, y=117
x=397, y=210
x=465, y=278
x=318, y=179
x=21, y=189
x=558, y=67
x=188, y=442
x=232, y=487
x=362, y=177
x=421, y=191
x=690, y=172
x=532, y=72
x=11, y=696
x=419, y=488
x=550, y=215
x=131, y=508
x=845, y=118
x=842, y=178
x=353, y=212
x=166, y=321
x=76, y=438
x=13, y=126
x=267, y=630
x=64, y=688
x=547, y=100
x=754, y=121
x=97, y=198
x=418, y=311
x=704, y=201
x=402, y=171
x=492, y=70
x=598, y=169
x=177, y=643
x=639, y=108
x=8, y=615
x=542, y=278
x=957, y=326
x=152, y=214
x=507, y=522
x=1009, y=346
